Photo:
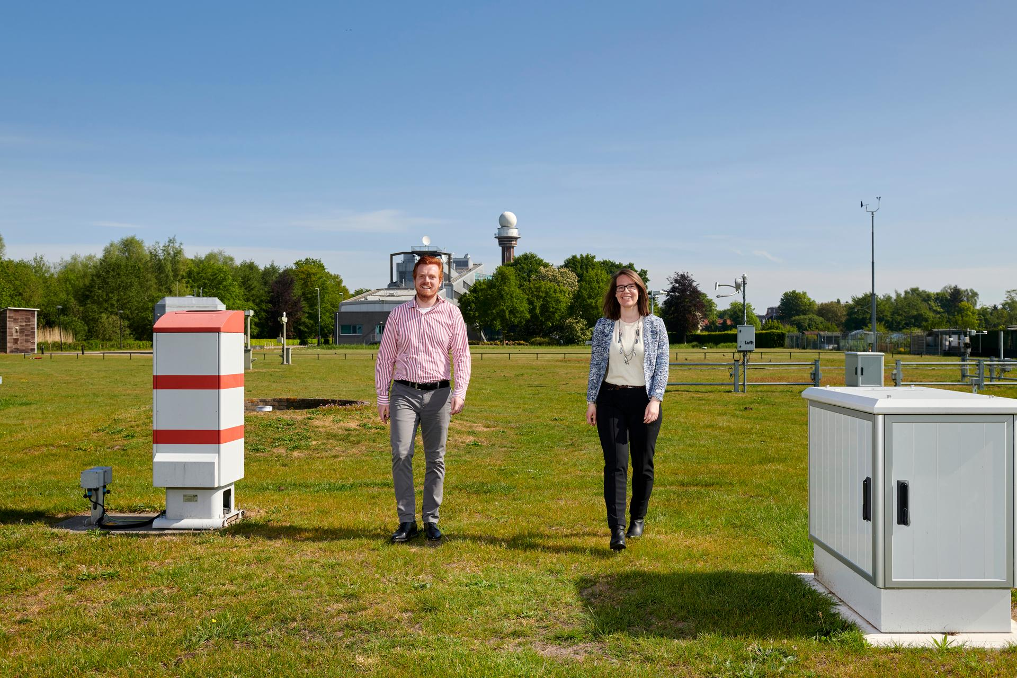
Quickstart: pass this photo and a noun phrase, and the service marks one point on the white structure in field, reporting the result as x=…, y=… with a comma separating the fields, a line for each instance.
x=198, y=416
x=911, y=505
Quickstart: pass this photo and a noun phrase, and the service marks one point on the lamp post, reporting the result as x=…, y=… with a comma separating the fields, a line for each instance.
x=319, y=314
x=872, y=213
x=59, y=328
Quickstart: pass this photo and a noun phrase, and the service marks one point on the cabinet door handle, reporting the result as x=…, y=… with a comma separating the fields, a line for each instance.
x=867, y=499
x=903, y=516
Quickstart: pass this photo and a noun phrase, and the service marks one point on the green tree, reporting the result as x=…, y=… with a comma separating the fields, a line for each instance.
x=833, y=312
x=683, y=308
x=859, y=312
x=965, y=318
x=950, y=298
x=255, y=291
x=734, y=314
x=912, y=308
x=283, y=298
x=169, y=266
x=811, y=323
x=562, y=277
x=526, y=265
x=213, y=274
x=496, y=303
x=548, y=307
x=794, y=303
x=123, y=285
x=582, y=264
x=588, y=300
x=611, y=267
x=308, y=275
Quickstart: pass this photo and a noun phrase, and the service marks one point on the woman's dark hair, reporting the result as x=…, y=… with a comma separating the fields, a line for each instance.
x=612, y=309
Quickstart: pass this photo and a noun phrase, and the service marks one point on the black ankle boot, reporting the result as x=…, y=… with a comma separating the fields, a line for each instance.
x=635, y=528
x=617, y=538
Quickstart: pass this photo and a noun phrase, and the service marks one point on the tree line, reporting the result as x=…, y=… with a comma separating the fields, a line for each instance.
x=111, y=296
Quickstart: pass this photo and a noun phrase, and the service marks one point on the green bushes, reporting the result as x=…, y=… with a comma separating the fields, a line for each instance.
x=94, y=345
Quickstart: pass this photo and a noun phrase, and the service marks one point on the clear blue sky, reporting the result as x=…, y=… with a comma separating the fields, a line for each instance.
x=712, y=137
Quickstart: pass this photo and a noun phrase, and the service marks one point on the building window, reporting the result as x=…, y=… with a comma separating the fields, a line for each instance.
x=380, y=329
x=351, y=329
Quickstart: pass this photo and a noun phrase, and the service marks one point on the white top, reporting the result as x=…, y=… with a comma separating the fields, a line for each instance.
x=909, y=400
x=632, y=347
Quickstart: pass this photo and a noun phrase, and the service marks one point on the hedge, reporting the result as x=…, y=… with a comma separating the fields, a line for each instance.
x=764, y=338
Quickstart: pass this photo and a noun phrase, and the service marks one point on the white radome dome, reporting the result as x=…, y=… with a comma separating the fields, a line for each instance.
x=507, y=220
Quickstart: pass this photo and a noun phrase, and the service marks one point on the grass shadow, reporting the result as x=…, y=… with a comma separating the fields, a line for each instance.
x=526, y=541
x=683, y=605
x=16, y=516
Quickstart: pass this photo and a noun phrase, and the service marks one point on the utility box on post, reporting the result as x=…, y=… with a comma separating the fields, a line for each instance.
x=911, y=505
x=863, y=368
x=198, y=416
x=746, y=338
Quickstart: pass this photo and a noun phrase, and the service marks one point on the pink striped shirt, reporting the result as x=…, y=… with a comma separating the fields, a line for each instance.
x=415, y=346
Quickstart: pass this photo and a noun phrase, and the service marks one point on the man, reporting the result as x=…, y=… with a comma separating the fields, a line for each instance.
x=415, y=347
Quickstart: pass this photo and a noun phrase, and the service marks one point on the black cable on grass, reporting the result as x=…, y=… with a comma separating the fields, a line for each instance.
x=121, y=526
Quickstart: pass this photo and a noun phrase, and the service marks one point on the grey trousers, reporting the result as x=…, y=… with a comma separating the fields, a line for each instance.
x=409, y=408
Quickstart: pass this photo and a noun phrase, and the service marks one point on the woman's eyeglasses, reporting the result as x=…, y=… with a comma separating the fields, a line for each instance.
x=630, y=288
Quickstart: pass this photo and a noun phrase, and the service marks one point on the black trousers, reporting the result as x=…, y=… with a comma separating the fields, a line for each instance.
x=622, y=432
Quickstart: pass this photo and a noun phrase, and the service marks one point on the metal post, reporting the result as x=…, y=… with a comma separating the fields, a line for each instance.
x=980, y=380
x=734, y=371
x=898, y=375
x=745, y=371
x=873, y=214
x=816, y=374
x=745, y=309
x=319, y=314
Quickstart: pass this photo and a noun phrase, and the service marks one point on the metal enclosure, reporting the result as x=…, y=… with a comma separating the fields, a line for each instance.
x=911, y=505
x=198, y=415
x=746, y=338
x=863, y=368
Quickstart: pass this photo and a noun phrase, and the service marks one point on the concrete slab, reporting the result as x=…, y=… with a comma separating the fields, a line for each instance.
x=876, y=638
x=81, y=524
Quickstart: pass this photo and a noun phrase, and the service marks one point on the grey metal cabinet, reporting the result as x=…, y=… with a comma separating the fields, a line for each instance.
x=863, y=368
x=911, y=505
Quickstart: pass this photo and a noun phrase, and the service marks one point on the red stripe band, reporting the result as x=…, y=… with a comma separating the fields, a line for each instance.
x=205, y=437
x=198, y=381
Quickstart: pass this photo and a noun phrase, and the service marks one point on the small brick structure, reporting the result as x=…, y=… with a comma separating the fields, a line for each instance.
x=18, y=329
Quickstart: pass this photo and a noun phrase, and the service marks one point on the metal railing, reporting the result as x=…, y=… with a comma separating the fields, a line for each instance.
x=977, y=374
x=739, y=373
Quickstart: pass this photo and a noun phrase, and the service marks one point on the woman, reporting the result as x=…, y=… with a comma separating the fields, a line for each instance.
x=628, y=375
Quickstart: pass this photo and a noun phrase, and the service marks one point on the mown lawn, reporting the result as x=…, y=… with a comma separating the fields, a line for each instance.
x=524, y=584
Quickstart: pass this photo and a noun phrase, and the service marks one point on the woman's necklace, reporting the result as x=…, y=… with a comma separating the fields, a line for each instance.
x=627, y=355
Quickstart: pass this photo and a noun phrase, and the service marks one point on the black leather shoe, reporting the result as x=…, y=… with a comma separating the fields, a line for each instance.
x=432, y=532
x=405, y=532
x=617, y=538
x=635, y=528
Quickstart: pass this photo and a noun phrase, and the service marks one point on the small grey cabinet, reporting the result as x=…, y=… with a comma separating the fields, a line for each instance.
x=863, y=368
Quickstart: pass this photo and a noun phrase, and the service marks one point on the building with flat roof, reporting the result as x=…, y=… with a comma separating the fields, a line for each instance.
x=361, y=319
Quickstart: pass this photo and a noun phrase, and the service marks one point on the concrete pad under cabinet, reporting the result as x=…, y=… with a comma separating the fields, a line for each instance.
x=913, y=610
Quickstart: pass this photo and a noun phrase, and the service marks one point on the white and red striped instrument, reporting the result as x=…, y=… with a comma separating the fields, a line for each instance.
x=198, y=399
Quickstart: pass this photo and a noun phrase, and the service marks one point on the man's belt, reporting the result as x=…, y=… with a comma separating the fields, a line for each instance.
x=426, y=386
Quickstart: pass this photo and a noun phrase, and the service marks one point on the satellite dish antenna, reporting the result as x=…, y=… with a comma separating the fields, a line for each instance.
x=426, y=240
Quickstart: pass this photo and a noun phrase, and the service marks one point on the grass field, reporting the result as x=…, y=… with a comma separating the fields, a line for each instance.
x=524, y=584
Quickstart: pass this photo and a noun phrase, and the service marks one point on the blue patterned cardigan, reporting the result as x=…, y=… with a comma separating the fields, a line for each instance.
x=655, y=359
